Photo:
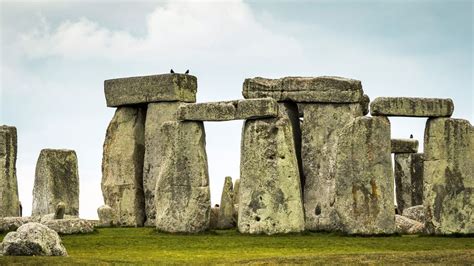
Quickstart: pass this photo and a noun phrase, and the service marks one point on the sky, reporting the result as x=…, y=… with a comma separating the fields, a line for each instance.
x=56, y=55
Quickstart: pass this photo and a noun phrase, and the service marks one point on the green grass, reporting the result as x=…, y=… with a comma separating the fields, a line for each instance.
x=144, y=245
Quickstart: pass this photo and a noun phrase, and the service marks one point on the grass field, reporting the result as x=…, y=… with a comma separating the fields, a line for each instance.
x=144, y=245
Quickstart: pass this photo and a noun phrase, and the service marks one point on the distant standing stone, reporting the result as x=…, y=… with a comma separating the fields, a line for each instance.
x=226, y=210
x=236, y=199
x=107, y=216
x=214, y=216
x=412, y=107
x=408, y=179
x=56, y=180
x=404, y=145
x=9, y=202
x=416, y=213
x=60, y=210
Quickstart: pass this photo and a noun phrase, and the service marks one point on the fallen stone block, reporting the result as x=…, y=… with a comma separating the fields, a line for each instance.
x=413, y=107
x=226, y=208
x=404, y=145
x=416, y=213
x=56, y=180
x=408, y=179
x=148, y=89
x=406, y=225
x=449, y=176
x=9, y=202
x=70, y=226
x=304, y=89
x=229, y=110
x=9, y=224
x=122, y=166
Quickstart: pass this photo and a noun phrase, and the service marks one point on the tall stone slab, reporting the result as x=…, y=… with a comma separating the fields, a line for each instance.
x=364, y=178
x=157, y=114
x=408, y=179
x=449, y=176
x=321, y=128
x=9, y=202
x=270, y=191
x=56, y=180
x=226, y=208
x=122, y=166
x=182, y=195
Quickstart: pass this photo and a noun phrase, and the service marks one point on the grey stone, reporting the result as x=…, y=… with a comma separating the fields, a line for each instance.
x=147, y=89
x=107, y=216
x=214, y=216
x=122, y=166
x=449, y=176
x=236, y=200
x=364, y=103
x=270, y=192
x=33, y=239
x=9, y=202
x=182, y=187
x=414, y=107
x=56, y=180
x=408, y=179
x=416, y=213
x=305, y=89
x=229, y=110
x=406, y=225
x=226, y=210
x=364, y=178
x=51, y=216
x=60, y=210
x=157, y=114
x=8, y=224
x=70, y=226
x=321, y=128
x=404, y=145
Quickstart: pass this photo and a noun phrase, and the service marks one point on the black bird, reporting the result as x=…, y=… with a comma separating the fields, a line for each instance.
x=172, y=71
x=411, y=136
x=187, y=72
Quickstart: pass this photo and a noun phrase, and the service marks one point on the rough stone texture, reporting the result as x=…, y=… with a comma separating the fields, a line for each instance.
x=182, y=187
x=449, y=176
x=406, y=225
x=157, y=114
x=9, y=202
x=147, y=89
x=416, y=213
x=229, y=110
x=364, y=103
x=33, y=239
x=404, y=145
x=60, y=210
x=305, y=89
x=122, y=166
x=107, y=216
x=236, y=200
x=408, y=179
x=364, y=177
x=415, y=107
x=270, y=192
x=9, y=224
x=49, y=217
x=320, y=132
x=56, y=180
x=226, y=211
x=214, y=216
x=70, y=226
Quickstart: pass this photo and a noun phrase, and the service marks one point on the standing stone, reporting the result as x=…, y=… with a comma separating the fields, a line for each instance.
x=320, y=133
x=157, y=114
x=182, y=194
x=214, y=216
x=270, y=192
x=9, y=202
x=364, y=177
x=107, y=216
x=56, y=180
x=236, y=199
x=449, y=176
x=122, y=166
x=408, y=179
x=226, y=210
x=60, y=210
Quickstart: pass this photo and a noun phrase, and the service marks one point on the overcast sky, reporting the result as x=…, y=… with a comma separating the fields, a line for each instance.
x=56, y=55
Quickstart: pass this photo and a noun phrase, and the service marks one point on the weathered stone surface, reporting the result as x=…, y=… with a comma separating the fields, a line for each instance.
x=33, y=239
x=214, y=216
x=122, y=166
x=147, y=89
x=9, y=202
x=305, y=89
x=270, y=192
x=408, y=179
x=404, y=145
x=414, y=107
x=416, y=213
x=229, y=110
x=70, y=226
x=182, y=187
x=364, y=103
x=107, y=216
x=226, y=211
x=364, y=178
x=50, y=216
x=9, y=224
x=320, y=133
x=56, y=180
x=60, y=210
x=157, y=114
x=449, y=176
x=406, y=225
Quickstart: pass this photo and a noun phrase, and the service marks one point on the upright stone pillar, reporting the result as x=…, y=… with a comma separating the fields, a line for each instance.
x=364, y=178
x=56, y=180
x=270, y=192
x=9, y=202
x=122, y=166
x=226, y=208
x=449, y=176
x=408, y=179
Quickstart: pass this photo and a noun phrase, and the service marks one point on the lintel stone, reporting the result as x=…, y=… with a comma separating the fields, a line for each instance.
x=413, y=107
x=404, y=145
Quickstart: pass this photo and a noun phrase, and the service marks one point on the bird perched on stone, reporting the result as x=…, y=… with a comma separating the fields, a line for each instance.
x=411, y=136
x=187, y=72
x=172, y=71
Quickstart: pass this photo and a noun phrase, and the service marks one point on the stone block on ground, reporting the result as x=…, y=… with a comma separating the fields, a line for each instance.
x=147, y=89
x=107, y=216
x=9, y=224
x=9, y=202
x=60, y=210
x=411, y=106
x=56, y=180
x=406, y=225
x=416, y=213
x=270, y=192
x=404, y=145
x=226, y=208
x=70, y=226
x=408, y=179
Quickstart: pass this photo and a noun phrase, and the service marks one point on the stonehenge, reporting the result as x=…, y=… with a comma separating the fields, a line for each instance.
x=412, y=107
x=225, y=218
x=9, y=201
